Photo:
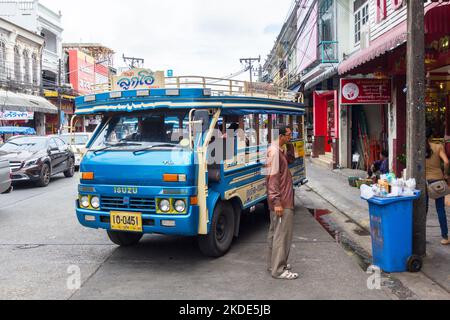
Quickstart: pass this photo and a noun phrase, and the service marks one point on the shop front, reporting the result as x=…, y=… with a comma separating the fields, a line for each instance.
x=385, y=58
x=326, y=124
x=437, y=29
x=27, y=111
x=366, y=101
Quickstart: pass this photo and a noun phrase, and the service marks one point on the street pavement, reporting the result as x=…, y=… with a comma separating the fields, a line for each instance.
x=40, y=240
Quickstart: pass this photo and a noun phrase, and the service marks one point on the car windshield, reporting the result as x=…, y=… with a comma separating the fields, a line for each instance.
x=24, y=144
x=148, y=130
x=78, y=140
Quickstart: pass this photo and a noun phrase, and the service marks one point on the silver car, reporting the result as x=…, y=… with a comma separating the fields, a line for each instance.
x=5, y=177
x=77, y=143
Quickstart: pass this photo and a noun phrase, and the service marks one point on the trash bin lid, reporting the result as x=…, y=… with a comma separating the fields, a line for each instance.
x=386, y=201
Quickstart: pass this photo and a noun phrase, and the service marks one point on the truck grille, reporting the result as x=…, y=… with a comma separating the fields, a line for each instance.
x=121, y=203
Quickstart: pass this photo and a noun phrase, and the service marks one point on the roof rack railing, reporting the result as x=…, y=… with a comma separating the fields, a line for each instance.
x=229, y=87
x=224, y=87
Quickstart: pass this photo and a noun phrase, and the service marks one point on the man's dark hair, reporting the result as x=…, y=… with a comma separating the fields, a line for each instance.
x=283, y=130
x=385, y=153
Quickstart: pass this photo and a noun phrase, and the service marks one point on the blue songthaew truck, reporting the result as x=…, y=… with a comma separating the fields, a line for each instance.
x=181, y=161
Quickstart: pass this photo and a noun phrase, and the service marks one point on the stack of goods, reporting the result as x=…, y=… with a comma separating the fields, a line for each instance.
x=389, y=187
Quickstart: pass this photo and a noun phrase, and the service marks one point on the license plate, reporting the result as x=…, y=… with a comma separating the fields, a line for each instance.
x=126, y=221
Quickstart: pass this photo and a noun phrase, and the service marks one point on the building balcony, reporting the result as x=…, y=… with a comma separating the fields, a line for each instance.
x=329, y=51
x=50, y=61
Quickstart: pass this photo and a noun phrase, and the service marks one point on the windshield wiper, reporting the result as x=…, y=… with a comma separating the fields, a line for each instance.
x=165, y=145
x=121, y=144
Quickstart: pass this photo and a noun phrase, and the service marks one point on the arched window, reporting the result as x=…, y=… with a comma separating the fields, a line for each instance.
x=35, y=70
x=17, y=65
x=3, y=75
x=26, y=61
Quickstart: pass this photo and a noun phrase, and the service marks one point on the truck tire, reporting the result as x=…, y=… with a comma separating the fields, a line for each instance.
x=218, y=242
x=44, y=177
x=124, y=239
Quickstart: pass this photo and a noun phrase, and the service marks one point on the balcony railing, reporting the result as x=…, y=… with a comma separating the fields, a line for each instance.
x=329, y=51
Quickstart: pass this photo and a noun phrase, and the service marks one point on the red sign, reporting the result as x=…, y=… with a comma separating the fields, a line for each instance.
x=82, y=73
x=366, y=91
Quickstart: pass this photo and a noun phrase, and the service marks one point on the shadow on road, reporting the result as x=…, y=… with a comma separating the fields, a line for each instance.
x=27, y=185
x=185, y=249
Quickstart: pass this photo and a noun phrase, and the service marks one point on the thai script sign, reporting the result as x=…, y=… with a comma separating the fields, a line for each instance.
x=260, y=87
x=81, y=72
x=138, y=79
x=366, y=91
x=16, y=115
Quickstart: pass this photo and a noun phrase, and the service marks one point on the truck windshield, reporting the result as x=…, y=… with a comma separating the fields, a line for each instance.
x=149, y=130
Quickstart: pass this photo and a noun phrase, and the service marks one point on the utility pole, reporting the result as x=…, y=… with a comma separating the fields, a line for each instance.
x=59, y=90
x=249, y=65
x=133, y=62
x=416, y=123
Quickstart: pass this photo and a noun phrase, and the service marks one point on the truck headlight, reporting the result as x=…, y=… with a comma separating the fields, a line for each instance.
x=180, y=206
x=84, y=201
x=95, y=202
x=164, y=206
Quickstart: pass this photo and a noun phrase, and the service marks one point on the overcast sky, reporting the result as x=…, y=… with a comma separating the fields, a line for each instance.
x=192, y=37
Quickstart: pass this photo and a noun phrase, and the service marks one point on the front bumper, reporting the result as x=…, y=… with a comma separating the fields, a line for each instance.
x=186, y=225
x=26, y=174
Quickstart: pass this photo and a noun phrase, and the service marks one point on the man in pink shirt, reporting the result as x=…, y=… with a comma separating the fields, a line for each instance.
x=280, y=191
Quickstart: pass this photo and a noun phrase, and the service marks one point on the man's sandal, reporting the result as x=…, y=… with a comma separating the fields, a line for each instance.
x=287, y=275
x=445, y=242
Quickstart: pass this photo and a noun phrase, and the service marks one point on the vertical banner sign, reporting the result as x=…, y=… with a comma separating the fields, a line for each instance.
x=366, y=91
x=82, y=72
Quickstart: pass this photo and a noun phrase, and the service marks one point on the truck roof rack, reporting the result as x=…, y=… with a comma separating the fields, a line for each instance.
x=225, y=87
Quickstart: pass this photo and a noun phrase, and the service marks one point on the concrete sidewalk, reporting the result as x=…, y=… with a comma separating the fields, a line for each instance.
x=333, y=187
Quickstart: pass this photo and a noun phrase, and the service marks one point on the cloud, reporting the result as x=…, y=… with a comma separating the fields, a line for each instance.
x=190, y=37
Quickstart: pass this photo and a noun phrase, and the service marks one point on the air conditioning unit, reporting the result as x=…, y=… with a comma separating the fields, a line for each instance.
x=365, y=36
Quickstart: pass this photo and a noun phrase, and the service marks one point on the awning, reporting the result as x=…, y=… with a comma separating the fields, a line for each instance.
x=328, y=73
x=25, y=102
x=388, y=41
x=18, y=130
x=437, y=21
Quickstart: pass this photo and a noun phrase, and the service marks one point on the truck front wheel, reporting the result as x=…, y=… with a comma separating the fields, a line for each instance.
x=124, y=239
x=218, y=242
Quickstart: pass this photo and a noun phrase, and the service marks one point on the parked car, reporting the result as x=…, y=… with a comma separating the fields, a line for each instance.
x=5, y=177
x=77, y=143
x=37, y=159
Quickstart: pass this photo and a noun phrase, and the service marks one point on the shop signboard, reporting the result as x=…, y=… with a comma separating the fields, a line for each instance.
x=138, y=79
x=82, y=72
x=366, y=91
x=16, y=116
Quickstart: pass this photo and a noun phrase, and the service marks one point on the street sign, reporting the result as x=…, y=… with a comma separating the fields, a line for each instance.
x=169, y=73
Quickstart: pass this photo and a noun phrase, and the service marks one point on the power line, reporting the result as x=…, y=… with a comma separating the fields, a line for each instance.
x=300, y=32
x=310, y=32
x=249, y=63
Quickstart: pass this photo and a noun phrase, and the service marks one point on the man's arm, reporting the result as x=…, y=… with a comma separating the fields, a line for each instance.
x=290, y=153
x=273, y=181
